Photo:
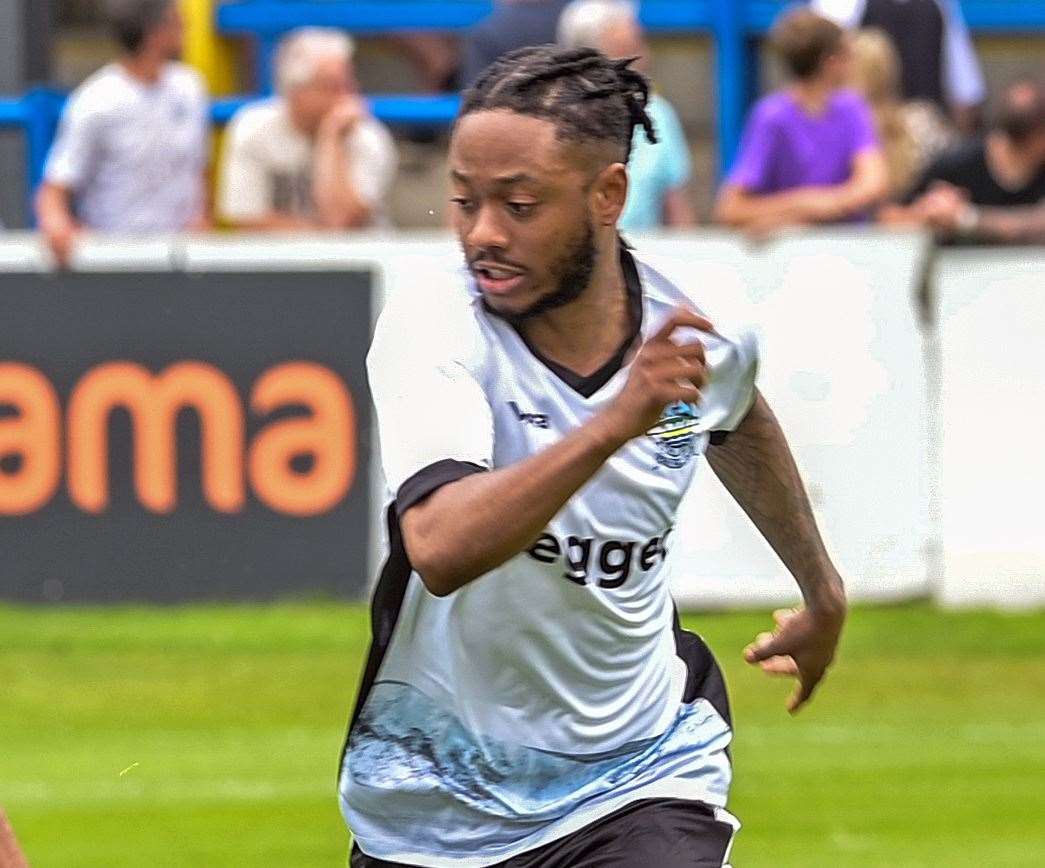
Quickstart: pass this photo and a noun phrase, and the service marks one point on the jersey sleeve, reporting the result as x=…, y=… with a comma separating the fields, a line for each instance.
x=77, y=145
x=433, y=417
x=732, y=365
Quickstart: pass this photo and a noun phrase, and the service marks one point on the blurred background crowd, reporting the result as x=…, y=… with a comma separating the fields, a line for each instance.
x=872, y=110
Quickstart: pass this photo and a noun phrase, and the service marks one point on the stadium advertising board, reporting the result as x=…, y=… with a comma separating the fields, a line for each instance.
x=170, y=436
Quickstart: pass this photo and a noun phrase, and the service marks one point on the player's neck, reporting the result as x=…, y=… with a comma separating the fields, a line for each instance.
x=585, y=334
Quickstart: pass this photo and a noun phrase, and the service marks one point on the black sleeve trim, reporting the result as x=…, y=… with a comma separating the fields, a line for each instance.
x=434, y=476
x=718, y=437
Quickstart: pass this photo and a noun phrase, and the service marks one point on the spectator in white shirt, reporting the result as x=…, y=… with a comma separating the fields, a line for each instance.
x=313, y=157
x=132, y=148
x=937, y=55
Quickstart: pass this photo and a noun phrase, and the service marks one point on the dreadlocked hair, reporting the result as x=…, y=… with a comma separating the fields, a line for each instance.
x=588, y=96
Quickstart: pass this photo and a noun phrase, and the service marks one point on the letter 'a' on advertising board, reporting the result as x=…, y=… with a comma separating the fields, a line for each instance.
x=168, y=436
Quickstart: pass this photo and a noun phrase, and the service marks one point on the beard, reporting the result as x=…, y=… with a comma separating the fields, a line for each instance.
x=572, y=274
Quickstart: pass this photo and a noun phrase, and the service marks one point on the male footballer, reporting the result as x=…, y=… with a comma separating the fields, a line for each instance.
x=530, y=698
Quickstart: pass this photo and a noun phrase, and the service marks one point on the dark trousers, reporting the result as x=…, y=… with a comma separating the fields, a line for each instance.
x=652, y=833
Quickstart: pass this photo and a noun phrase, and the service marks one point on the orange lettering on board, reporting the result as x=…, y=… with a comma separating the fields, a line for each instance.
x=328, y=435
x=33, y=435
x=154, y=403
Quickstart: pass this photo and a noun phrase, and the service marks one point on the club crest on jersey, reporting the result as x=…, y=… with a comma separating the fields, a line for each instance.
x=675, y=435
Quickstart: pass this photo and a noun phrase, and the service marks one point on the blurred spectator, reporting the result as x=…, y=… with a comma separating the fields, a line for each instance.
x=512, y=24
x=132, y=148
x=809, y=152
x=937, y=56
x=311, y=157
x=911, y=133
x=435, y=56
x=657, y=173
x=991, y=190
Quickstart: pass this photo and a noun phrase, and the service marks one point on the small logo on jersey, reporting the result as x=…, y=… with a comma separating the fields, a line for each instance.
x=538, y=420
x=675, y=435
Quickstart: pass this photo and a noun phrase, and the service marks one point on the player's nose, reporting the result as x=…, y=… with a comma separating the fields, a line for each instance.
x=487, y=230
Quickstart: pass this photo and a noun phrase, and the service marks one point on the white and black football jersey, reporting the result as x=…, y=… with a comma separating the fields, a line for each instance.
x=558, y=687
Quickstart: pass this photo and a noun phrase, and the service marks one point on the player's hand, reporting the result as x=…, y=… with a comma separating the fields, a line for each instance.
x=802, y=647
x=669, y=367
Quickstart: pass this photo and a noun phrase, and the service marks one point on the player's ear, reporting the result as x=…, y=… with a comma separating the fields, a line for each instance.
x=608, y=193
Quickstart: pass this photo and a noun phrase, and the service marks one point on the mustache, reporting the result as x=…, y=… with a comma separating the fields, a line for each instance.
x=494, y=258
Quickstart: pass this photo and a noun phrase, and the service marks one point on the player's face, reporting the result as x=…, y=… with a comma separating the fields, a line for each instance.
x=522, y=209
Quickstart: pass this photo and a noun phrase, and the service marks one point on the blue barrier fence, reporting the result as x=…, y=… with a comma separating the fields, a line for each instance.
x=732, y=25
x=39, y=110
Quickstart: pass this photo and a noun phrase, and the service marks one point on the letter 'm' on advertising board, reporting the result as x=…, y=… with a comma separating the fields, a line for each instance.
x=328, y=434
x=154, y=402
x=32, y=435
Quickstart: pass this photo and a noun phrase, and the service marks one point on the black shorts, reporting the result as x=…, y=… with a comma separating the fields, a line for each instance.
x=652, y=833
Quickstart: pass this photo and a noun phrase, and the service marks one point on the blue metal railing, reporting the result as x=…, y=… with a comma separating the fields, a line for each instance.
x=731, y=24
x=38, y=111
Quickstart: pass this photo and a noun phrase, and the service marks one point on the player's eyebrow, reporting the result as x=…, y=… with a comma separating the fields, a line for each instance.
x=503, y=181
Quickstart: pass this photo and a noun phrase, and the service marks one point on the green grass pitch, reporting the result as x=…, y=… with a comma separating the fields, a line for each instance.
x=208, y=736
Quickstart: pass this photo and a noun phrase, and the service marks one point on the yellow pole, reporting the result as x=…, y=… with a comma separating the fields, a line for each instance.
x=218, y=61
x=215, y=57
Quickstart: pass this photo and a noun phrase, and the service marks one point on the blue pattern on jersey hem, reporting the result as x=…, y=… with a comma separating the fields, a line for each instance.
x=404, y=743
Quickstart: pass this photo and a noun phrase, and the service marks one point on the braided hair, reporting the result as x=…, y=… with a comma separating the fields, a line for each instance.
x=588, y=96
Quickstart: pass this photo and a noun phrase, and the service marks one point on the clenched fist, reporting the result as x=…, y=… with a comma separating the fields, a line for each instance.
x=665, y=370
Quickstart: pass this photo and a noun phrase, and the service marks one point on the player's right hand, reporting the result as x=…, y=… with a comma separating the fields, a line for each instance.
x=669, y=367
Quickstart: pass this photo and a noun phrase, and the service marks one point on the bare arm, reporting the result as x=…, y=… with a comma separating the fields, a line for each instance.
x=1009, y=225
x=901, y=215
x=867, y=186
x=10, y=854
x=276, y=221
x=54, y=216
x=756, y=467
x=947, y=210
x=338, y=203
x=471, y=526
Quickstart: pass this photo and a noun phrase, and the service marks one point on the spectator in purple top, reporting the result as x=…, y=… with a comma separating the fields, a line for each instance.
x=809, y=154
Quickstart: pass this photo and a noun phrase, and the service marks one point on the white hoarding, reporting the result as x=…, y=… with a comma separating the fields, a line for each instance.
x=991, y=309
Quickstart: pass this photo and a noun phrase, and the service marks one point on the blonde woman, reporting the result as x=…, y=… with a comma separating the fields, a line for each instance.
x=912, y=133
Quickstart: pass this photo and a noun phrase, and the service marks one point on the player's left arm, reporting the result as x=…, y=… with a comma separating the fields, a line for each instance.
x=756, y=466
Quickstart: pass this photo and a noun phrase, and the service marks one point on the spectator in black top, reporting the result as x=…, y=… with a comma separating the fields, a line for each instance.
x=991, y=190
x=513, y=24
x=938, y=61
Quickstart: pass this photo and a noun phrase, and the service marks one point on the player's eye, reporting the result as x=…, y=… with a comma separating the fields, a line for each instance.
x=463, y=202
x=522, y=209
